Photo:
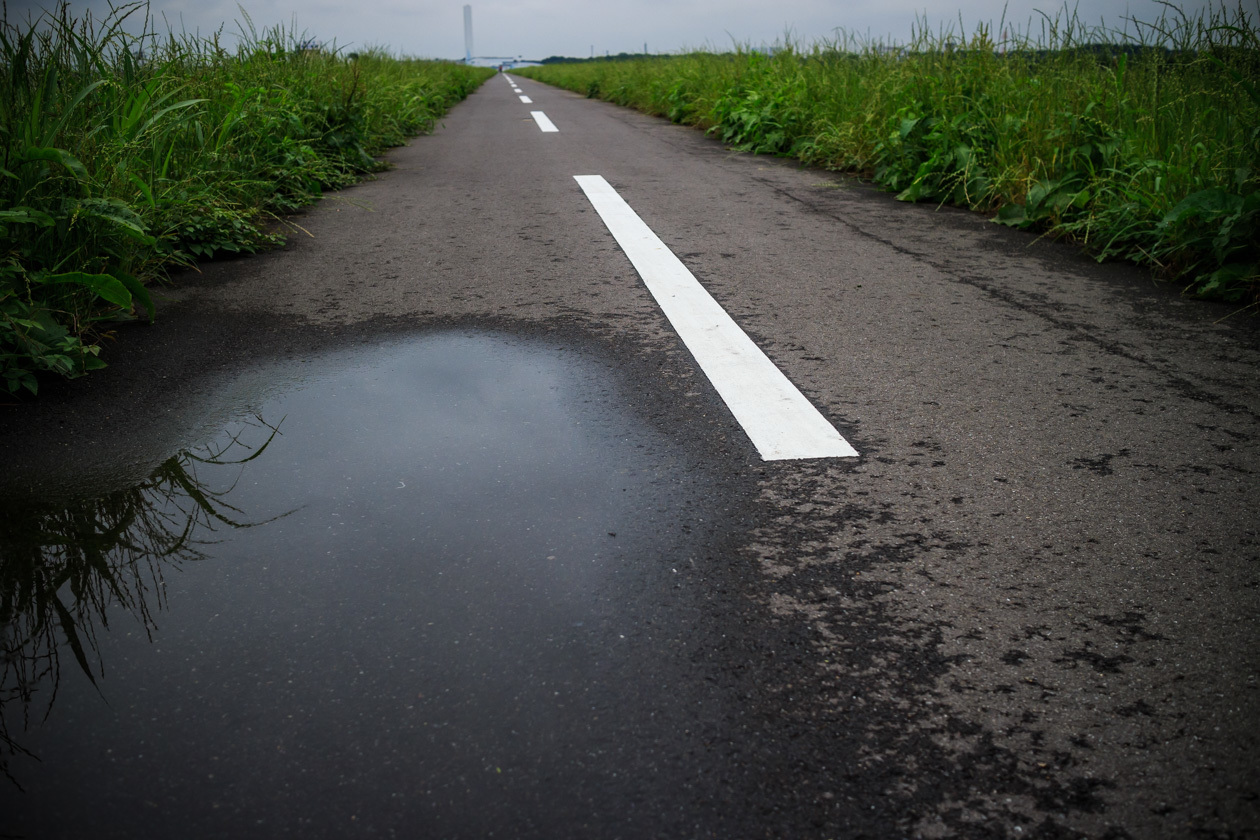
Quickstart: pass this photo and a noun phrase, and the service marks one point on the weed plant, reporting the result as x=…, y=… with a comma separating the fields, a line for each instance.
x=1141, y=144
x=123, y=156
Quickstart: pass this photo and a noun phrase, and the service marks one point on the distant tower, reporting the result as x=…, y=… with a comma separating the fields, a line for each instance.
x=468, y=34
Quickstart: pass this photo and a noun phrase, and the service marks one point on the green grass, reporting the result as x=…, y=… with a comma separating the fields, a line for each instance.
x=1142, y=146
x=123, y=157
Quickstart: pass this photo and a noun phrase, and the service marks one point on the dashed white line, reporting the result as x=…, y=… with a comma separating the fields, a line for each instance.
x=775, y=415
x=526, y=100
x=543, y=123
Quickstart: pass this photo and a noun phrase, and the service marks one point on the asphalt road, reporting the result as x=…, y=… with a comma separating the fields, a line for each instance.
x=1027, y=609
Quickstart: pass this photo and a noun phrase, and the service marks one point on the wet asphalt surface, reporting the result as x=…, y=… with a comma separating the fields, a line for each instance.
x=1027, y=610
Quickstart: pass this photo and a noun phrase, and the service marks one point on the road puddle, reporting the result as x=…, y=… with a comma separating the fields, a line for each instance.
x=431, y=589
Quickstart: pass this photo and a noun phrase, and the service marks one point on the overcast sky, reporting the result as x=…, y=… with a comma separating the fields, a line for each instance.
x=540, y=28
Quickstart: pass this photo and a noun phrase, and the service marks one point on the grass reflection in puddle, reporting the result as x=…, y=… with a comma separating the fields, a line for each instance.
x=65, y=564
x=470, y=621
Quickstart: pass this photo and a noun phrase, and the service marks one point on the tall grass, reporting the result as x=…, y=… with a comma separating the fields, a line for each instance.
x=123, y=156
x=1141, y=144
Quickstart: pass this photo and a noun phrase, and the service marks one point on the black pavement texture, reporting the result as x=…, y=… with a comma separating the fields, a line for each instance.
x=1029, y=609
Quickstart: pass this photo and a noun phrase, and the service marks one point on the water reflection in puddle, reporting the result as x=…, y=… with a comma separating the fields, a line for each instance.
x=455, y=612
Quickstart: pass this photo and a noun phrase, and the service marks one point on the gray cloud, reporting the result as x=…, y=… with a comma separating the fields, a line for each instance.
x=539, y=28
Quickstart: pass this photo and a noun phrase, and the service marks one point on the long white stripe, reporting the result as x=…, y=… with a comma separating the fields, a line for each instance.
x=526, y=100
x=543, y=123
x=777, y=417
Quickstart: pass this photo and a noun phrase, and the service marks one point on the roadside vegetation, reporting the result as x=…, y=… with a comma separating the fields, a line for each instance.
x=1141, y=145
x=123, y=157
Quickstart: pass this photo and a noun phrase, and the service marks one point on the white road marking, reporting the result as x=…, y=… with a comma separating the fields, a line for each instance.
x=526, y=100
x=543, y=123
x=777, y=417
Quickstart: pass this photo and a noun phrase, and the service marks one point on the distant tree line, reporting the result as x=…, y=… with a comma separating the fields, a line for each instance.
x=564, y=59
x=1102, y=50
